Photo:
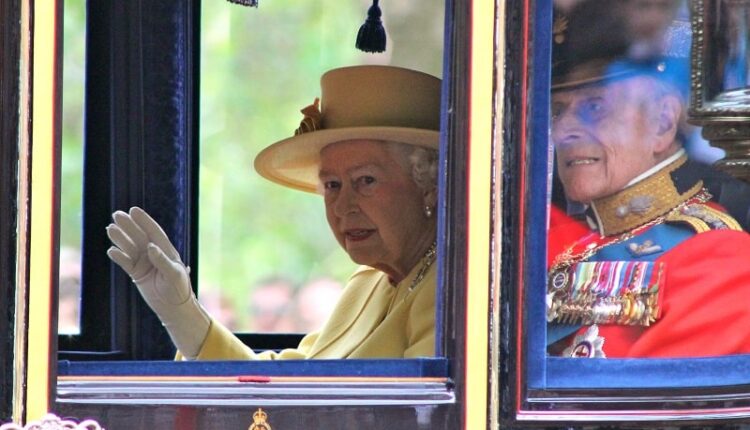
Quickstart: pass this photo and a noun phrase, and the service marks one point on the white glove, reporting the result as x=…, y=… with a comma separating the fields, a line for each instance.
x=144, y=252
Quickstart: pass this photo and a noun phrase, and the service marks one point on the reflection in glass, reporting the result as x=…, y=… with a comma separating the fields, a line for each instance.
x=640, y=260
x=727, y=37
x=74, y=47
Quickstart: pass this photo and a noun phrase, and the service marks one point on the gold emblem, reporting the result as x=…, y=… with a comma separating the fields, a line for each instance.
x=638, y=205
x=312, y=119
x=641, y=204
x=259, y=421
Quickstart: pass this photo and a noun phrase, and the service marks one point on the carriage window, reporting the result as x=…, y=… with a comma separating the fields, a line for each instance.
x=268, y=259
x=264, y=251
x=642, y=219
x=648, y=216
x=264, y=258
x=639, y=315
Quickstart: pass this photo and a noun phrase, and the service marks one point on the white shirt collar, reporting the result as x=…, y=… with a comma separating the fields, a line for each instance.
x=656, y=168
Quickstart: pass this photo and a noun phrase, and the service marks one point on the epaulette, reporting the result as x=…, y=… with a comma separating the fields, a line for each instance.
x=702, y=218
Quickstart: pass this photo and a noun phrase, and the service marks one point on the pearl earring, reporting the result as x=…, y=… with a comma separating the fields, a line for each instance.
x=428, y=212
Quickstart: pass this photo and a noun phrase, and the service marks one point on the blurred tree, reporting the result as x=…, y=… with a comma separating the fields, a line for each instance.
x=71, y=164
x=74, y=48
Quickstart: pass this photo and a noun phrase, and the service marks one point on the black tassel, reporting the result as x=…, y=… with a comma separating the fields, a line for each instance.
x=251, y=3
x=371, y=36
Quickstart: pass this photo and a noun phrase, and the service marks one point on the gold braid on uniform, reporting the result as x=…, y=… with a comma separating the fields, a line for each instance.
x=703, y=218
x=657, y=196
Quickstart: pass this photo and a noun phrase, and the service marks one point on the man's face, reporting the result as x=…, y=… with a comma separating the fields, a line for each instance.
x=604, y=136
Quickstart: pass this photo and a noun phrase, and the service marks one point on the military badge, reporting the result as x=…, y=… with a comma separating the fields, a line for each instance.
x=648, y=247
x=587, y=345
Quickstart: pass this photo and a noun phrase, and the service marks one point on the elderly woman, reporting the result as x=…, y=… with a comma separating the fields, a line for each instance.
x=371, y=153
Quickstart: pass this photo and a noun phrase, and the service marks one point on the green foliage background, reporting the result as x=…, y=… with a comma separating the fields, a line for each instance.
x=259, y=67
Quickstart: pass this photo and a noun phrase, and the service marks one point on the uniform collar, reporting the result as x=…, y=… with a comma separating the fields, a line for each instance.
x=646, y=198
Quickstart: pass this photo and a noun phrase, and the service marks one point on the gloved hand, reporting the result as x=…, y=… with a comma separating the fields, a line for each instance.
x=143, y=251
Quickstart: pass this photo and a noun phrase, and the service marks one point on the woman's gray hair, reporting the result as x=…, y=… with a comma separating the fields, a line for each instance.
x=421, y=162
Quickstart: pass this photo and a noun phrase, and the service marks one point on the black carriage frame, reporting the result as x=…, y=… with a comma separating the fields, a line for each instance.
x=131, y=113
x=10, y=132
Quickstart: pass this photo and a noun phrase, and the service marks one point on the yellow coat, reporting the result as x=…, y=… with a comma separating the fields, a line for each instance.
x=373, y=319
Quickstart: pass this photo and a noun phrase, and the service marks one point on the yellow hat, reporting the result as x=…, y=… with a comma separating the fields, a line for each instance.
x=359, y=102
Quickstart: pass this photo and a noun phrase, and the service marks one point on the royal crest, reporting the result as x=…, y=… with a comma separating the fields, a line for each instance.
x=259, y=421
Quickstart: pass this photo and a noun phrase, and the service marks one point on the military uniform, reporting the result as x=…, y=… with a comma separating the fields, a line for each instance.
x=661, y=272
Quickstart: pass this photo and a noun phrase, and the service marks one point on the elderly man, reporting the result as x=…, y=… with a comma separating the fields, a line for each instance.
x=659, y=270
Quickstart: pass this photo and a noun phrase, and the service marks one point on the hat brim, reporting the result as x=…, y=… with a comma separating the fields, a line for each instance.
x=294, y=162
x=591, y=80
x=603, y=72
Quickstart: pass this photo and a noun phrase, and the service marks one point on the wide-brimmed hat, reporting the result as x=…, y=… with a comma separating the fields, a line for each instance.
x=359, y=102
x=596, y=42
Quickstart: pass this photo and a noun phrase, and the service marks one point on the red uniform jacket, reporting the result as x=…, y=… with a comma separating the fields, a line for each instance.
x=705, y=297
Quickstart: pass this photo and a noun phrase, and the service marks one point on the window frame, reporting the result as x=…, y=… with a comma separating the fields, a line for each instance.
x=403, y=392
x=134, y=102
x=10, y=42
x=551, y=390
x=125, y=123
x=426, y=403
x=519, y=404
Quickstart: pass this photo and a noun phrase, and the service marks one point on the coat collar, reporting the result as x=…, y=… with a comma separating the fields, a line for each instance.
x=364, y=302
x=368, y=298
x=643, y=201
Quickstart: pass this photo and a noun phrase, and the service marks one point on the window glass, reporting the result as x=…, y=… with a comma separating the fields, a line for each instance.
x=647, y=234
x=74, y=46
x=267, y=259
x=727, y=55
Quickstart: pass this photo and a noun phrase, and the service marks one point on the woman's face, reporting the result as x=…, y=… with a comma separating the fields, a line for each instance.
x=374, y=208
